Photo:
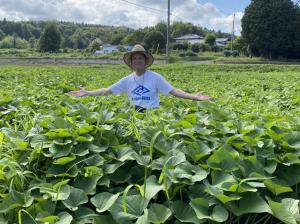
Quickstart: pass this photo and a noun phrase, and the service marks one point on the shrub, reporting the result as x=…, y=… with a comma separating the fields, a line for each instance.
x=196, y=47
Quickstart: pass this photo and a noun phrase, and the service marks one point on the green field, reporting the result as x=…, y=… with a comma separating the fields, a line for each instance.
x=95, y=160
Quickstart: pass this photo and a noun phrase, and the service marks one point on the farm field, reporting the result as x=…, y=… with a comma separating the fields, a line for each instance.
x=95, y=160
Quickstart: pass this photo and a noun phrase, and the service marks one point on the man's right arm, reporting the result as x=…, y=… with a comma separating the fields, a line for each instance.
x=82, y=92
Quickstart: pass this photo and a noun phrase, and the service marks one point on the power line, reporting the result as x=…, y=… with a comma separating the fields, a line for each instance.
x=154, y=9
x=145, y=7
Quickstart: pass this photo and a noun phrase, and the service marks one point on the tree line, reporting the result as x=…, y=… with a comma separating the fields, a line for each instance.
x=37, y=34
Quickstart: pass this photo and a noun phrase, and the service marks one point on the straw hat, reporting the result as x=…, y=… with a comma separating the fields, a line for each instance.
x=138, y=49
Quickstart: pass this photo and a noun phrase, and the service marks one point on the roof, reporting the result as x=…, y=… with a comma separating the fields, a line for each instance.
x=221, y=39
x=189, y=37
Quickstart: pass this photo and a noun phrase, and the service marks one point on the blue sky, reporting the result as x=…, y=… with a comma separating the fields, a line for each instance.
x=228, y=6
x=212, y=14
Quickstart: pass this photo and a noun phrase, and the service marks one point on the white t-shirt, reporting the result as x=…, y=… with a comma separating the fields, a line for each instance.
x=142, y=90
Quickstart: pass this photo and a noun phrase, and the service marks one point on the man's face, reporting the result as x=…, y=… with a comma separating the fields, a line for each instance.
x=138, y=61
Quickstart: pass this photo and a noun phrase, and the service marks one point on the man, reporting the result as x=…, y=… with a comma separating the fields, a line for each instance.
x=142, y=86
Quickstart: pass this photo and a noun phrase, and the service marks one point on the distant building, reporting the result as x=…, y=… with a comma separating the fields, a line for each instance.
x=106, y=49
x=221, y=42
x=190, y=38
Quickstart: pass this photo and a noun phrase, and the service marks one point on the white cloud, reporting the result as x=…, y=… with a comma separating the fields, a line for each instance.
x=118, y=12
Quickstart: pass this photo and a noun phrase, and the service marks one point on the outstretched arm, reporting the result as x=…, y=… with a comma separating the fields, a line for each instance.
x=181, y=94
x=82, y=92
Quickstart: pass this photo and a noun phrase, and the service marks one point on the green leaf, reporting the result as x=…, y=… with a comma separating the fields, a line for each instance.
x=289, y=174
x=60, y=194
x=202, y=207
x=85, y=138
x=293, y=140
x=135, y=205
x=158, y=213
x=249, y=203
x=76, y=198
x=84, y=213
x=143, y=219
x=64, y=218
x=64, y=160
x=58, y=133
x=223, y=160
x=103, y=201
x=15, y=199
x=152, y=187
x=219, y=214
x=287, y=211
x=123, y=153
x=187, y=173
x=41, y=140
x=85, y=129
x=48, y=219
x=277, y=186
x=111, y=168
x=184, y=213
x=197, y=150
x=87, y=184
x=95, y=160
x=104, y=219
x=219, y=194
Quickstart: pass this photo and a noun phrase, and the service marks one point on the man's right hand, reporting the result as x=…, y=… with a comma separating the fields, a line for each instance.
x=80, y=93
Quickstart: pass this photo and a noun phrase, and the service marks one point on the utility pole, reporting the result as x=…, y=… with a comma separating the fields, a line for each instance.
x=168, y=34
x=232, y=35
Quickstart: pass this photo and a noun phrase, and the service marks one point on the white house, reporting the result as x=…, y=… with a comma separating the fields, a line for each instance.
x=221, y=42
x=106, y=49
x=190, y=38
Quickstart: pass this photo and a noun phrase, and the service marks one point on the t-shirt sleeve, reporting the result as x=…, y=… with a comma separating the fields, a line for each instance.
x=119, y=87
x=164, y=86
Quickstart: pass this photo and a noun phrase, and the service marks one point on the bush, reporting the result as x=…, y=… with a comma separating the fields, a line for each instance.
x=191, y=54
x=204, y=47
x=121, y=48
x=187, y=54
x=180, y=46
x=196, y=47
x=235, y=53
x=227, y=53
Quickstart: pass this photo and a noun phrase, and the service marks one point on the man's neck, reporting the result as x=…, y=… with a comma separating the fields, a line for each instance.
x=140, y=72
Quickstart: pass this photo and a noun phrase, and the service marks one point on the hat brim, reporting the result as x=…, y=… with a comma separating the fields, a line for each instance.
x=148, y=56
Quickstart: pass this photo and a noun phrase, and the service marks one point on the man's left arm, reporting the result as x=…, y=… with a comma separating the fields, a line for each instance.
x=181, y=94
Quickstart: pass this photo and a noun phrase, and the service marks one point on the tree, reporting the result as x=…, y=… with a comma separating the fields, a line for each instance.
x=116, y=39
x=50, y=39
x=96, y=44
x=7, y=42
x=180, y=29
x=32, y=42
x=240, y=45
x=78, y=39
x=2, y=34
x=135, y=37
x=14, y=42
x=271, y=29
x=154, y=40
x=210, y=39
x=161, y=27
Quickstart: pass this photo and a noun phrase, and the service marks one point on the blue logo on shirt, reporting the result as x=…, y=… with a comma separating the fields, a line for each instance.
x=140, y=90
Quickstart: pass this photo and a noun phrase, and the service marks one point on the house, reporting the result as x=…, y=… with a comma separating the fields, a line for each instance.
x=190, y=38
x=106, y=49
x=221, y=42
